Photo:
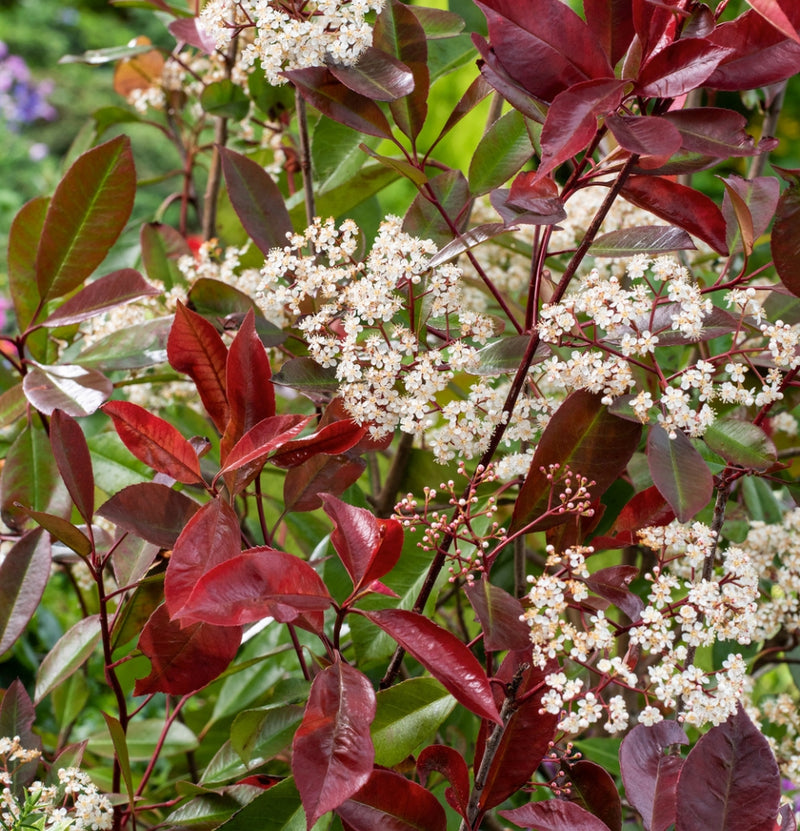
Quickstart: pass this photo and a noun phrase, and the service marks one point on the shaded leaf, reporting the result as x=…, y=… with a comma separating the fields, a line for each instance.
x=554, y=815
x=646, y=508
x=74, y=462
x=499, y=614
x=626, y=242
x=594, y=789
x=69, y=387
x=450, y=763
x=650, y=137
x=259, y=735
x=61, y=530
x=612, y=24
x=741, y=443
x=425, y=221
x=319, y=474
x=376, y=75
x=225, y=99
x=306, y=376
x=712, y=131
x=68, y=655
x=161, y=247
x=503, y=149
x=17, y=715
x=785, y=242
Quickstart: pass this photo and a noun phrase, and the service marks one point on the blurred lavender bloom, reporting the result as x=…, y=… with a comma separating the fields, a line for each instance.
x=22, y=99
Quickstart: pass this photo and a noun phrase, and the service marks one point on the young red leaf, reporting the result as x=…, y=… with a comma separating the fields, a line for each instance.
x=648, y=507
x=333, y=438
x=257, y=200
x=446, y=658
x=730, y=780
x=151, y=511
x=258, y=583
x=251, y=396
x=612, y=583
x=320, y=474
x=773, y=12
x=785, y=241
x=195, y=348
x=650, y=777
x=499, y=614
x=679, y=472
x=332, y=752
x=211, y=536
x=390, y=802
x=594, y=788
x=655, y=25
x=155, y=442
x=74, y=462
x=650, y=137
x=679, y=68
x=584, y=435
x=377, y=75
x=450, y=763
x=332, y=98
x=183, y=660
x=23, y=576
x=87, y=213
x=554, y=815
x=679, y=205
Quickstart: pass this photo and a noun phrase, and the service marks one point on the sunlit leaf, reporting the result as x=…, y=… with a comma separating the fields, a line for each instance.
x=69, y=387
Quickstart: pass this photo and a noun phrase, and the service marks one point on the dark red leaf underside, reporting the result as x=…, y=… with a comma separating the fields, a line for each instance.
x=74, y=462
x=554, y=815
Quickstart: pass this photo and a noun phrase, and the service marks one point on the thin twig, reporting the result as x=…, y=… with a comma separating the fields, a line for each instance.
x=305, y=158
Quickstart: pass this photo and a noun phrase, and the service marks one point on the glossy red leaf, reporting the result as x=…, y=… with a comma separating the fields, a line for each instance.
x=554, y=815
x=499, y=615
x=319, y=474
x=195, y=348
x=450, y=763
x=69, y=387
x=332, y=98
x=612, y=583
x=646, y=508
x=257, y=200
x=377, y=75
x=251, y=396
x=679, y=472
x=258, y=583
x=368, y=547
x=730, y=780
x=333, y=438
x=87, y=213
x=650, y=137
x=390, y=802
x=248, y=455
x=74, y=462
x=571, y=121
x=545, y=47
x=23, y=238
x=785, y=242
x=782, y=14
x=151, y=511
x=611, y=22
x=23, y=576
x=447, y=659
x=210, y=537
x=679, y=68
x=584, y=435
x=100, y=296
x=528, y=195
x=655, y=24
x=650, y=777
x=594, y=788
x=679, y=205
x=332, y=752
x=183, y=660
x=155, y=442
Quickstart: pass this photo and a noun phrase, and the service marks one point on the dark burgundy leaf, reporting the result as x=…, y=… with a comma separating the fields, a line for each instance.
x=786, y=239
x=679, y=68
x=319, y=474
x=594, y=789
x=655, y=24
x=612, y=584
x=529, y=201
x=450, y=763
x=648, y=775
x=152, y=511
x=17, y=716
x=257, y=200
x=650, y=137
x=183, y=660
x=74, y=462
x=712, y=131
x=611, y=22
x=646, y=508
x=331, y=439
x=679, y=472
x=258, y=583
x=499, y=614
x=155, y=442
x=195, y=348
x=332, y=98
x=730, y=780
x=210, y=537
x=332, y=752
x=586, y=436
x=554, y=815
x=390, y=802
x=443, y=655
x=679, y=205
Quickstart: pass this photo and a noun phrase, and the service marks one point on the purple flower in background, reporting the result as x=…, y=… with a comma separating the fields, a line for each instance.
x=22, y=99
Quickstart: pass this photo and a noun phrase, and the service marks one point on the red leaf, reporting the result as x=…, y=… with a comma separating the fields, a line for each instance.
x=772, y=11
x=186, y=30
x=367, y=546
x=748, y=207
x=333, y=438
x=443, y=655
x=679, y=472
x=152, y=511
x=611, y=22
x=785, y=242
x=650, y=137
x=544, y=46
x=679, y=68
x=17, y=716
x=612, y=584
x=679, y=205
x=554, y=815
x=251, y=396
x=195, y=348
x=320, y=474
x=648, y=507
x=499, y=614
x=100, y=296
x=594, y=789
x=257, y=200
x=258, y=583
x=74, y=462
x=648, y=775
x=729, y=781
x=713, y=131
x=389, y=802
x=211, y=536
x=655, y=24
x=450, y=763
x=332, y=752
x=184, y=660
x=155, y=442
x=332, y=98
x=584, y=435
x=377, y=75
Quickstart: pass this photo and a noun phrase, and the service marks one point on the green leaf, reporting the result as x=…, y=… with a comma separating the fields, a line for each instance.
x=13, y=405
x=109, y=55
x=424, y=220
x=23, y=238
x=259, y=735
x=404, y=168
x=760, y=500
x=502, y=151
x=225, y=100
x=68, y=655
x=69, y=699
x=336, y=155
x=408, y=714
x=207, y=810
x=161, y=247
x=643, y=239
x=114, y=467
x=143, y=736
x=107, y=117
x=86, y=215
x=741, y=443
x=276, y=809
x=306, y=376
x=134, y=347
x=504, y=355
x=120, y=745
x=63, y=530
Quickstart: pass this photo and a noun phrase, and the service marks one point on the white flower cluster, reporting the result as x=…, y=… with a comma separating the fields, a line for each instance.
x=293, y=35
